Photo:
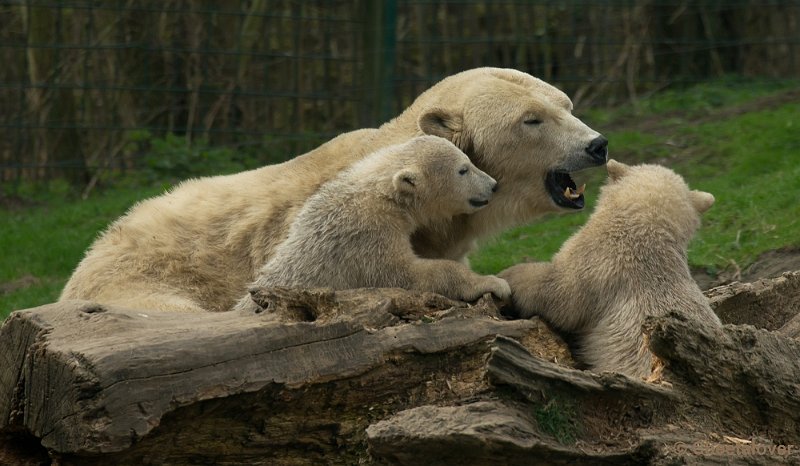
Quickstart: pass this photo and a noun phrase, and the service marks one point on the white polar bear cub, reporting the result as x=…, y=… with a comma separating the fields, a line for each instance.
x=355, y=232
x=627, y=262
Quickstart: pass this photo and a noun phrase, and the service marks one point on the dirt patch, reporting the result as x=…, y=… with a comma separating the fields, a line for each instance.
x=662, y=123
x=768, y=265
x=19, y=284
x=773, y=263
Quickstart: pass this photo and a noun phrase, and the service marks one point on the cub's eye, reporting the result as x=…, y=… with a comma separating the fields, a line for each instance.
x=533, y=121
x=463, y=171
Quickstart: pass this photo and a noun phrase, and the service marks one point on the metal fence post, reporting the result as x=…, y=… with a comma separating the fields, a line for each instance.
x=379, y=48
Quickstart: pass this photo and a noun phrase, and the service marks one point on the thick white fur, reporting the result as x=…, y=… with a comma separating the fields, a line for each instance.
x=198, y=246
x=627, y=262
x=355, y=232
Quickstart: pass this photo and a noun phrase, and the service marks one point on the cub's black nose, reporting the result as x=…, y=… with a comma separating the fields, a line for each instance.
x=598, y=149
x=494, y=187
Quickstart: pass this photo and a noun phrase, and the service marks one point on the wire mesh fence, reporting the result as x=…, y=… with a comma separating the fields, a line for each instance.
x=87, y=85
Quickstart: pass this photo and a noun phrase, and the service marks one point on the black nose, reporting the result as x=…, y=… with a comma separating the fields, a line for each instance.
x=598, y=149
x=494, y=187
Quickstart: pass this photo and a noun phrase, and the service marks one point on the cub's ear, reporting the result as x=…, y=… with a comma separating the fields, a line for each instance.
x=438, y=122
x=405, y=181
x=702, y=201
x=616, y=170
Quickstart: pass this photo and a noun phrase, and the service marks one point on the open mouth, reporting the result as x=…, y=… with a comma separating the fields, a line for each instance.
x=477, y=203
x=563, y=190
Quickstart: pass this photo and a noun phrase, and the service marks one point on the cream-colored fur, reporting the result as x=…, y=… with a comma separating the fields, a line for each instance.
x=355, y=232
x=199, y=245
x=627, y=262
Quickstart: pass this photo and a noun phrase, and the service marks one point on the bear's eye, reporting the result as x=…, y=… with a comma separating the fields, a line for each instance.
x=533, y=121
x=463, y=171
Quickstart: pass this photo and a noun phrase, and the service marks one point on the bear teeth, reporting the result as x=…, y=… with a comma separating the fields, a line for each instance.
x=570, y=194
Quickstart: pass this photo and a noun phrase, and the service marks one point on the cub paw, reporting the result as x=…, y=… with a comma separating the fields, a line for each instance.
x=498, y=287
x=247, y=305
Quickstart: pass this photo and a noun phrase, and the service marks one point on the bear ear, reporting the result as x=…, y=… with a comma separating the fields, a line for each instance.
x=702, y=201
x=616, y=170
x=438, y=122
x=405, y=181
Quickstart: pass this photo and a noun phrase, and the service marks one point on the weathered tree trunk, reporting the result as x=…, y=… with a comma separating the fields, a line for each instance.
x=767, y=303
x=99, y=384
x=381, y=377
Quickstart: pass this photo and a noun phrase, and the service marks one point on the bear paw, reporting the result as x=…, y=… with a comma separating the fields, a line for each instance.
x=247, y=305
x=498, y=287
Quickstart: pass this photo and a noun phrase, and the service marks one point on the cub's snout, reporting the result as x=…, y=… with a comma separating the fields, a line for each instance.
x=486, y=187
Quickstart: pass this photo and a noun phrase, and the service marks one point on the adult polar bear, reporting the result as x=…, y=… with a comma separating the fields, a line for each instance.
x=198, y=246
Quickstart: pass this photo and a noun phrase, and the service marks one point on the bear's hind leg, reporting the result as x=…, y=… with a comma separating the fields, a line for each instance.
x=151, y=299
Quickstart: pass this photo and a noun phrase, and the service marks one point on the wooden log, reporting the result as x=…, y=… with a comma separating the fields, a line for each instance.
x=484, y=432
x=369, y=376
x=100, y=384
x=747, y=379
x=537, y=380
x=767, y=303
x=511, y=430
x=791, y=329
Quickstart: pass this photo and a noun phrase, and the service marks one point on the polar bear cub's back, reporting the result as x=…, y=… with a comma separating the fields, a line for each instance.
x=356, y=230
x=626, y=263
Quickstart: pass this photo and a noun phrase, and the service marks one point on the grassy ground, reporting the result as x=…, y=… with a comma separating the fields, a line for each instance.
x=737, y=140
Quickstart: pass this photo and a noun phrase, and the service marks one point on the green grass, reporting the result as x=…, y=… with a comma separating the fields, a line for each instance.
x=559, y=419
x=749, y=160
x=43, y=243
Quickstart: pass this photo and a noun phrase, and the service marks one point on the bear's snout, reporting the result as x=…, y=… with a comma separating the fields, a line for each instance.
x=598, y=149
x=489, y=186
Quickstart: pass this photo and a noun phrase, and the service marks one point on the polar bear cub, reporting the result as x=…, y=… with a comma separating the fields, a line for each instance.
x=627, y=262
x=355, y=232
